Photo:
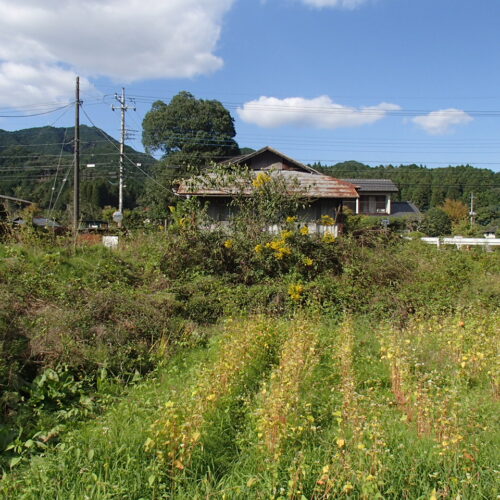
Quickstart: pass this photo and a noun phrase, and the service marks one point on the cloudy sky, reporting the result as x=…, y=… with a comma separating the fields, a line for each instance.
x=378, y=81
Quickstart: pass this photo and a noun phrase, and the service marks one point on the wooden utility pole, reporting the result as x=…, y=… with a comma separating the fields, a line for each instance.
x=76, y=179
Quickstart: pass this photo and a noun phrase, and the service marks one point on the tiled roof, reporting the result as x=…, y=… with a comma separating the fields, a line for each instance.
x=309, y=184
x=374, y=185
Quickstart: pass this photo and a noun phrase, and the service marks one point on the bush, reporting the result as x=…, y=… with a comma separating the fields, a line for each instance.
x=436, y=223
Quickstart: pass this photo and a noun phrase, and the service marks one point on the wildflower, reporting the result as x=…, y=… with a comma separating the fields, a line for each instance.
x=327, y=220
x=258, y=248
x=329, y=238
x=308, y=261
x=295, y=291
x=348, y=487
x=261, y=180
x=229, y=243
x=291, y=220
x=286, y=234
x=340, y=443
x=304, y=230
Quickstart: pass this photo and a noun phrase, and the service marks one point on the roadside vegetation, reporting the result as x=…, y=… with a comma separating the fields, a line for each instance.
x=234, y=363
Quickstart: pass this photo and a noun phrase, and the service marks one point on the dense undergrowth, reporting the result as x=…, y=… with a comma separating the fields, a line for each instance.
x=365, y=367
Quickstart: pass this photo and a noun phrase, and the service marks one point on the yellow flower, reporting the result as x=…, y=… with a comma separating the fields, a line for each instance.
x=291, y=220
x=295, y=291
x=258, y=248
x=308, y=261
x=304, y=230
x=286, y=234
x=229, y=243
x=327, y=220
x=348, y=487
x=329, y=238
x=340, y=443
x=261, y=180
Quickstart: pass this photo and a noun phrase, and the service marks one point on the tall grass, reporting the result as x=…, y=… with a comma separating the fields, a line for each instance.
x=302, y=409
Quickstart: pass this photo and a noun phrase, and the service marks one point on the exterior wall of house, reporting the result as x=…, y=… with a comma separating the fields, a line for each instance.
x=269, y=161
x=371, y=204
x=318, y=208
x=219, y=209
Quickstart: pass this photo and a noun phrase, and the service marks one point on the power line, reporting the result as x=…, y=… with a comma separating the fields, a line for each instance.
x=125, y=156
x=37, y=114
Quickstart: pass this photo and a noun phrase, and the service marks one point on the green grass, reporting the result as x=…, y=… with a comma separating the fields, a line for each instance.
x=105, y=457
x=341, y=431
x=377, y=381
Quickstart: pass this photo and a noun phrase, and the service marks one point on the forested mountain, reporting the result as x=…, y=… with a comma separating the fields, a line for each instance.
x=428, y=187
x=34, y=164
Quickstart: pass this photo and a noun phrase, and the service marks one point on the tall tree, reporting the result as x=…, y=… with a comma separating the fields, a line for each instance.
x=457, y=210
x=190, y=131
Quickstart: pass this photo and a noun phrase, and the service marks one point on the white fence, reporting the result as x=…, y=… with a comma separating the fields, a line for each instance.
x=460, y=241
x=313, y=228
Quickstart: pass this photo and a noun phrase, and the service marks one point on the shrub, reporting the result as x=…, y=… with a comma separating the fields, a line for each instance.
x=436, y=223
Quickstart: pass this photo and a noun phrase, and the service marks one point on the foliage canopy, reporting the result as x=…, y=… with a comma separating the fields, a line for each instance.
x=190, y=131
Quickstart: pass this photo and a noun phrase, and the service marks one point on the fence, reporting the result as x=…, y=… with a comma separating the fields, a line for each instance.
x=460, y=241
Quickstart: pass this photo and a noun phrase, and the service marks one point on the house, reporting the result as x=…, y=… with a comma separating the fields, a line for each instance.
x=375, y=196
x=325, y=194
x=376, y=199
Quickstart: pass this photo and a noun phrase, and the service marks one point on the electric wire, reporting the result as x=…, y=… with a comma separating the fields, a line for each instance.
x=57, y=171
x=126, y=156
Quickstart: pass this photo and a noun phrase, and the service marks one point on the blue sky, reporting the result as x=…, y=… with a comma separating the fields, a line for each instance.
x=378, y=81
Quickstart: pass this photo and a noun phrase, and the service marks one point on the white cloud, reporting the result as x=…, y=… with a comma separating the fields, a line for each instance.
x=343, y=4
x=442, y=121
x=125, y=40
x=26, y=85
x=320, y=112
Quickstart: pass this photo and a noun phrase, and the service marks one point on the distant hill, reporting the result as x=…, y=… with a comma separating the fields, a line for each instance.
x=35, y=160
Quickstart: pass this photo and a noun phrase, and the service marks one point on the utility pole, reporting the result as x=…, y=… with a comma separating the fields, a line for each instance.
x=76, y=180
x=472, y=213
x=123, y=108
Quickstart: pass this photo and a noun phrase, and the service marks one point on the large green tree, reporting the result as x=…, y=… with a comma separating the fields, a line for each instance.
x=190, y=131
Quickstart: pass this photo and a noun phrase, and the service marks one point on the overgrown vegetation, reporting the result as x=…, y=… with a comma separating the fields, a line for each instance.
x=241, y=364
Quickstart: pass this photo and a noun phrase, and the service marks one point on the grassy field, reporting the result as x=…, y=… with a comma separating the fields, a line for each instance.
x=201, y=366
x=303, y=408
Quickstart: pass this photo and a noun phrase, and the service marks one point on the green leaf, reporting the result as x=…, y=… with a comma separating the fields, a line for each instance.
x=14, y=461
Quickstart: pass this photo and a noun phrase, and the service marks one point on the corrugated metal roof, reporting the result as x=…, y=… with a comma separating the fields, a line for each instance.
x=374, y=185
x=311, y=185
